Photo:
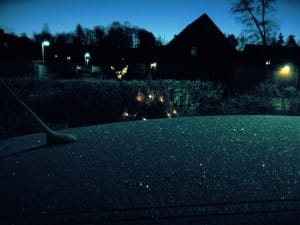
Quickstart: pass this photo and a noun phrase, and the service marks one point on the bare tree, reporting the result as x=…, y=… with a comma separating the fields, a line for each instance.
x=44, y=35
x=146, y=39
x=254, y=14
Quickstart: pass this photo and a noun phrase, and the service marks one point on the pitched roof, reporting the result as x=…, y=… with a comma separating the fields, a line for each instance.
x=202, y=33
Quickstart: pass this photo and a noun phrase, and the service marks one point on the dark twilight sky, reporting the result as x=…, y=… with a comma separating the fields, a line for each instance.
x=164, y=18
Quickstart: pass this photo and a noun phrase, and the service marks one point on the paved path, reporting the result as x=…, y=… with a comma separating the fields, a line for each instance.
x=169, y=171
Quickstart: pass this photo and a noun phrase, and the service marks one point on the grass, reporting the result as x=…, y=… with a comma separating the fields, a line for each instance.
x=81, y=102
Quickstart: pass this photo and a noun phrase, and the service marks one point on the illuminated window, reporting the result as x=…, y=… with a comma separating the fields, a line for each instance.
x=194, y=51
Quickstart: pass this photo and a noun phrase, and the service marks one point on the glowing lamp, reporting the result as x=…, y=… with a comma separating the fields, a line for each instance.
x=285, y=71
x=125, y=114
x=151, y=96
x=44, y=43
x=139, y=97
x=87, y=58
x=153, y=65
x=161, y=98
x=120, y=73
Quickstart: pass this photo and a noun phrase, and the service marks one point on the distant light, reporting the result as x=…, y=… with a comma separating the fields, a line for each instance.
x=144, y=119
x=139, y=97
x=125, y=114
x=151, y=96
x=285, y=71
x=120, y=73
x=161, y=98
x=153, y=65
x=56, y=56
x=174, y=111
x=268, y=62
x=69, y=58
x=169, y=115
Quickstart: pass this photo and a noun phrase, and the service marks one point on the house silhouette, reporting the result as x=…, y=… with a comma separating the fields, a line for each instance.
x=199, y=51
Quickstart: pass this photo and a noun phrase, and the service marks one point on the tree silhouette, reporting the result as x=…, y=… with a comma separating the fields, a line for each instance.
x=62, y=45
x=146, y=39
x=280, y=41
x=253, y=14
x=99, y=36
x=72, y=45
x=291, y=42
x=79, y=37
x=90, y=37
x=14, y=48
x=44, y=35
x=119, y=36
x=232, y=40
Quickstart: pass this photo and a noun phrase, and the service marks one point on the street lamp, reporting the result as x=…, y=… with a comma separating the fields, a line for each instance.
x=45, y=43
x=87, y=58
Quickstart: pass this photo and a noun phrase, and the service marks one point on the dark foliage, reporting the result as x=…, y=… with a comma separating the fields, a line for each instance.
x=73, y=103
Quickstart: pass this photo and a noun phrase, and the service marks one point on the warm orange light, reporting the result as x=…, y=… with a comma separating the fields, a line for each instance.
x=139, y=97
x=161, y=98
x=125, y=114
x=285, y=71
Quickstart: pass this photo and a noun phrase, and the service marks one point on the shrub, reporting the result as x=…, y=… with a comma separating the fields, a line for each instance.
x=81, y=102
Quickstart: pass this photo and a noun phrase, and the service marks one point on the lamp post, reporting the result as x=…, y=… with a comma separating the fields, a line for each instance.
x=45, y=43
x=87, y=58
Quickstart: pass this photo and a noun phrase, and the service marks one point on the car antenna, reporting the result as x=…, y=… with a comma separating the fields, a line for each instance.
x=52, y=137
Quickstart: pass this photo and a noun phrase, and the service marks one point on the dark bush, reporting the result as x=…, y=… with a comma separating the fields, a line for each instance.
x=73, y=103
